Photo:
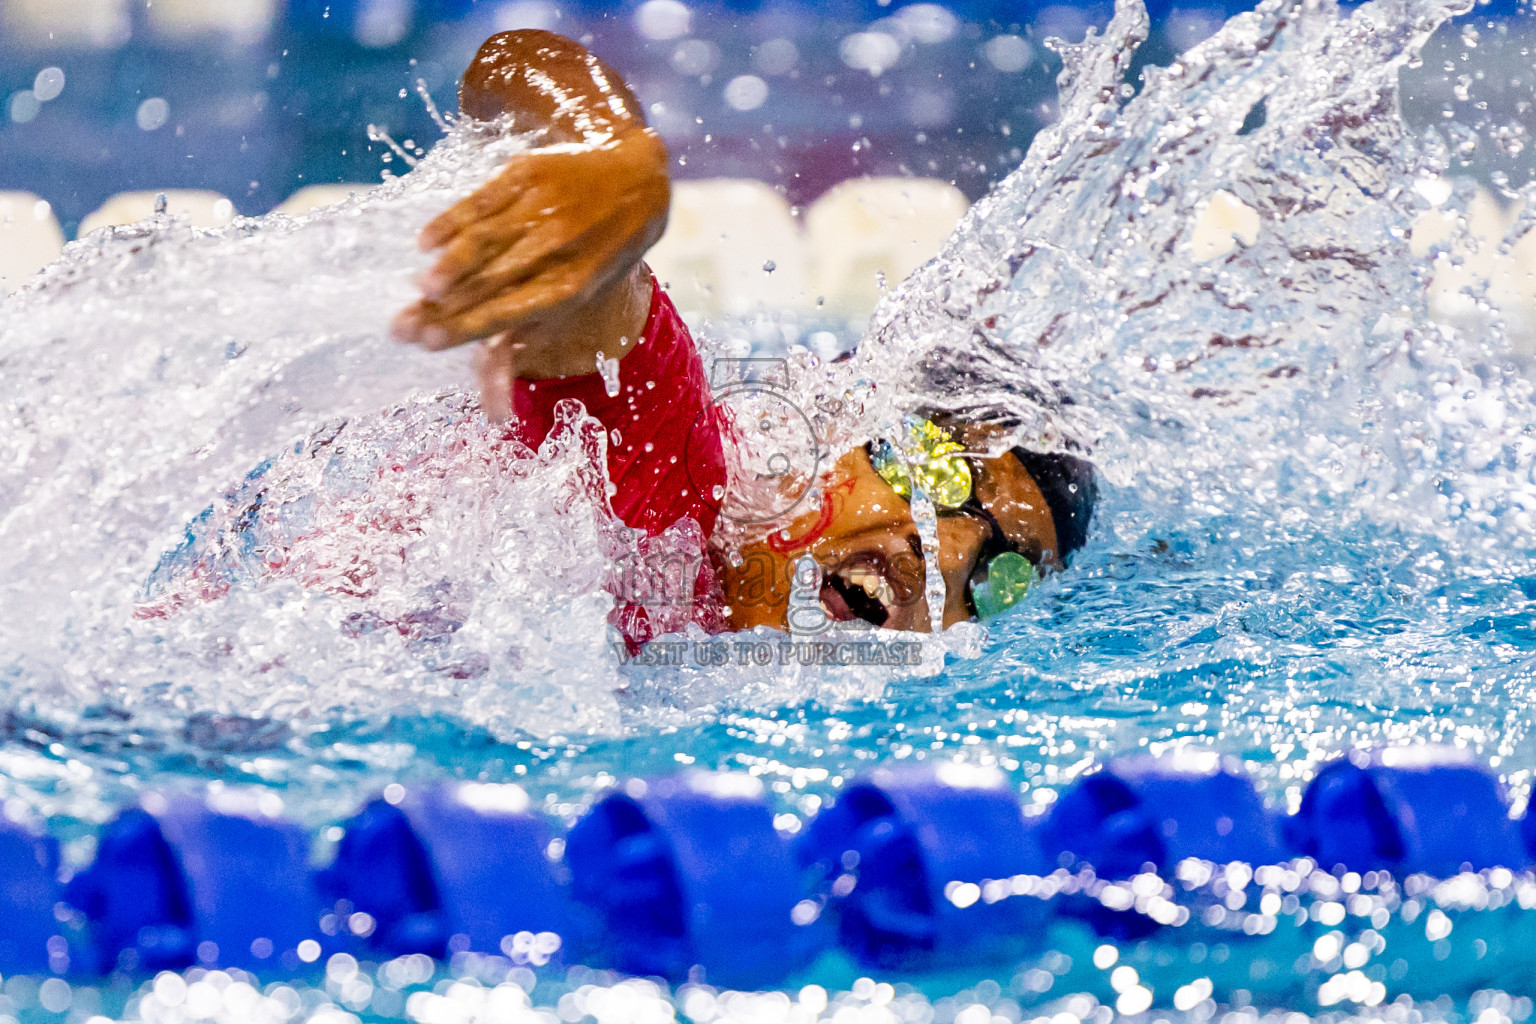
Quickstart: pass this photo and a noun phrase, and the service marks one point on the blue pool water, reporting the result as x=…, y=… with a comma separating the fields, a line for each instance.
x=1313, y=537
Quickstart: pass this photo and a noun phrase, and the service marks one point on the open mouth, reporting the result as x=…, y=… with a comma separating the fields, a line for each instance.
x=859, y=591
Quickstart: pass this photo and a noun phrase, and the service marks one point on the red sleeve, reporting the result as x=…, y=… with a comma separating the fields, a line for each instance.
x=665, y=458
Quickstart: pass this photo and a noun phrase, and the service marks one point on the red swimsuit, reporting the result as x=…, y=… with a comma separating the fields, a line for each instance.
x=664, y=453
x=665, y=458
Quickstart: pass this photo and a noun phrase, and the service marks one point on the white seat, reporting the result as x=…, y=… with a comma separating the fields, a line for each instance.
x=245, y=20
x=1521, y=306
x=206, y=209
x=1507, y=281
x=869, y=227
x=312, y=197
x=30, y=238
x=78, y=23
x=1220, y=222
x=722, y=237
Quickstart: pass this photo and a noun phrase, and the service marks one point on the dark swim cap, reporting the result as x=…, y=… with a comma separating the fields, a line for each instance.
x=1070, y=490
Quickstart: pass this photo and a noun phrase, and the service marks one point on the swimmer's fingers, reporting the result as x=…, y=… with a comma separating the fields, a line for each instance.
x=585, y=258
x=522, y=174
x=513, y=310
x=540, y=275
x=574, y=179
x=486, y=201
x=507, y=312
x=473, y=248
x=553, y=214
x=427, y=324
x=503, y=275
x=417, y=324
x=493, y=372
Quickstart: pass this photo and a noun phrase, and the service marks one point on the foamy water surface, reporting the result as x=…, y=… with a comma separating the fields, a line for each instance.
x=244, y=537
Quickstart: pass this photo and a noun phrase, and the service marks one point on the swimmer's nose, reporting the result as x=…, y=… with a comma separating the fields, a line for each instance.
x=961, y=539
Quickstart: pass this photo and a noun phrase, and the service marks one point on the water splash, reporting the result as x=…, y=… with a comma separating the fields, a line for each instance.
x=154, y=365
x=1313, y=534
x=386, y=560
x=444, y=124
x=378, y=134
x=1069, y=305
x=1318, y=528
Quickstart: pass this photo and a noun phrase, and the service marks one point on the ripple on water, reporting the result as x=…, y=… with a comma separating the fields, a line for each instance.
x=1314, y=531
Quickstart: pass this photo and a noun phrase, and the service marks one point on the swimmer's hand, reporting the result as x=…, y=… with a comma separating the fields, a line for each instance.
x=537, y=243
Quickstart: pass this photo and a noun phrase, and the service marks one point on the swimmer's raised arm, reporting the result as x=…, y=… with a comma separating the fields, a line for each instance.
x=544, y=262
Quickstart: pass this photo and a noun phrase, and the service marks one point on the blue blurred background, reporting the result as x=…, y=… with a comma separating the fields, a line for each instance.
x=256, y=98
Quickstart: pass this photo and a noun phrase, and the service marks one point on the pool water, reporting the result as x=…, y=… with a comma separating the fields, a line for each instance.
x=1314, y=533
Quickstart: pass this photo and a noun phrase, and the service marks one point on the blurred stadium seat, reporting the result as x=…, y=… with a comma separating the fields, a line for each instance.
x=1522, y=285
x=1221, y=222
x=71, y=24
x=312, y=197
x=731, y=247
x=243, y=20
x=872, y=226
x=1473, y=276
x=206, y=209
x=30, y=238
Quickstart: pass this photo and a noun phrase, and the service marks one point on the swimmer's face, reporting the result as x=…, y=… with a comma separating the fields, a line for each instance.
x=867, y=544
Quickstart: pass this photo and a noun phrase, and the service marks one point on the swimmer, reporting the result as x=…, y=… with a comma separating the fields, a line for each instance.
x=544, y=269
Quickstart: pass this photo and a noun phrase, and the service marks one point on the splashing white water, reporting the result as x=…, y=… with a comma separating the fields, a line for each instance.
x=148, y=371
x=1243, y=400
x=1292, y=369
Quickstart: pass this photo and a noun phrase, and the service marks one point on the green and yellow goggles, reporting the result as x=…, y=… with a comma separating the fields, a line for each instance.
x=936, y=464
x=933, y=457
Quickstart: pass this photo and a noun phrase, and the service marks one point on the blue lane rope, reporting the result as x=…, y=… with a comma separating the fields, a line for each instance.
x=913, y=866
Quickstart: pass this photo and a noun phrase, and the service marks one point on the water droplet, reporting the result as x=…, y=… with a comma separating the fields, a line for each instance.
x=152, y=114
x=24, y=106
x=48, y=84
x=609, y=370
x=746, y=92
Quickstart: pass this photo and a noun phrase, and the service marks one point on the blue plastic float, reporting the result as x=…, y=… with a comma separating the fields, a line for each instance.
x=1152, y=812
x=181, y=880
x=29, y=890
x=917, y=864
x=383, y=870
x=688, y=877
x=690, y=871
x=1406, y=810
x=135, y=897
x=461, y=867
